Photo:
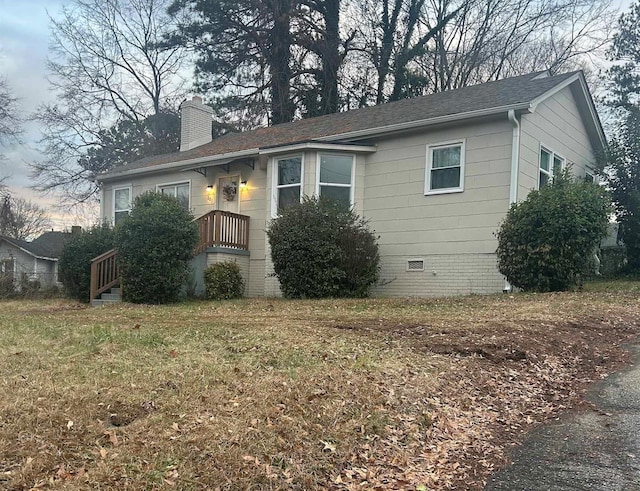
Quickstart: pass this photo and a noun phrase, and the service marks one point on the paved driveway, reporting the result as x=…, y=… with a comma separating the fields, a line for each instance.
x=595, y=449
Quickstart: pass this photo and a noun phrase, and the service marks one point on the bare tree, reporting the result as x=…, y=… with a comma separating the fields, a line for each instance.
x=414, y=47
x=22, y=219
x=106, y=67
x=393, y=35
x=10, y=121
x=243, y=52
x=500, y=38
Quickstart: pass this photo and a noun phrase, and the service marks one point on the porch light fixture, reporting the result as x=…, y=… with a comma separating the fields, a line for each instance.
x=210, y=187
x=243, y=184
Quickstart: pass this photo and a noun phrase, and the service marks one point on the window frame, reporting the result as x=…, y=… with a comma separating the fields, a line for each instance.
x=274, y=178
x=589, y=172
x=9, y=259
x=129, y=187
x=428, y=168
x=552, y=158
x=351, y=185
x=175, y=184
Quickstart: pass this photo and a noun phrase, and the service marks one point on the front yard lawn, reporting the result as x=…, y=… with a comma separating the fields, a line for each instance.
x=276, y=394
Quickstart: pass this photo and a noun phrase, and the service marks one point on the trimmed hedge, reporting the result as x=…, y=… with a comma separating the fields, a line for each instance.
x=223, y=281
x=320, y=248
x=546, y=242
x=155, y=243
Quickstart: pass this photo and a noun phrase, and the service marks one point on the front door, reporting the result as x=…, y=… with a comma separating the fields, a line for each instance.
x=228, y=193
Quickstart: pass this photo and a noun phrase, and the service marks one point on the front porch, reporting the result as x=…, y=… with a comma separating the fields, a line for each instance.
x=221, y=234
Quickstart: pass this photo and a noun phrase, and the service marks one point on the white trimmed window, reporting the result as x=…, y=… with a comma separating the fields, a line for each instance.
x=121, y=203
x=550, y=164
x=179, y=190
x=335, y=177
x=288, y=174
x=445, y=168
x=590, y=176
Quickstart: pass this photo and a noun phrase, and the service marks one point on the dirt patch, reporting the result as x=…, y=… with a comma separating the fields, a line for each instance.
x=119, y=414
x=499, y=342
x=505, y=379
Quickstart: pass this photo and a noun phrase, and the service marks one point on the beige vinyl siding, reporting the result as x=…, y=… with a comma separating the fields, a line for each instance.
x=453, y=232
x=557, y=125
x=401, y=214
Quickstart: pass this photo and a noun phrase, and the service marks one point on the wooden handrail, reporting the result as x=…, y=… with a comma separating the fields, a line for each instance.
x=104, y=273
x=220, y=228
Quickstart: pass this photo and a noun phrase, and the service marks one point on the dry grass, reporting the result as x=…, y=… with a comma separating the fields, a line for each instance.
x=274, y=394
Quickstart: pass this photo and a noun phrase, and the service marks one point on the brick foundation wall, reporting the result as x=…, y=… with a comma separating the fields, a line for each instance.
x=444, y=274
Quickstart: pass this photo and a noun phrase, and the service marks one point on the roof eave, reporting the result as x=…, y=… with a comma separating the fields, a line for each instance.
x=409, y=125
x=181, y=165
x=315, y=145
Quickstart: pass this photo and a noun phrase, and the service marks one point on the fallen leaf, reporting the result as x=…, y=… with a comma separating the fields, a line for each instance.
x=331, y=447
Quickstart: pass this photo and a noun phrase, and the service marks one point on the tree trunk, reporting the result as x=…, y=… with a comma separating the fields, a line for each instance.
x=280, y=70
x=331, y=60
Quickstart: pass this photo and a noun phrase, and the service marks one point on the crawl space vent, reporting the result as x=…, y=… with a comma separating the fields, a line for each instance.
x=415, y=265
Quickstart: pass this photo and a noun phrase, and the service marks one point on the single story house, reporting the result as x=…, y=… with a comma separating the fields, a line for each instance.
x=22, y=261
x=434, y=176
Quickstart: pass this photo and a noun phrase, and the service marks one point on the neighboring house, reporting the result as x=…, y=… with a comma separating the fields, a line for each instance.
x=434, y=176
x=32, y=261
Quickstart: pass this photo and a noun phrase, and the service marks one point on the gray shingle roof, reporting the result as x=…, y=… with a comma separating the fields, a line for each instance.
x=49, y=244
x=487, y=96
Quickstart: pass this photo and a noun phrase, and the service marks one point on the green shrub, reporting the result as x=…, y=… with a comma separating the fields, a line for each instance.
x=154, y=244
x=223, y=281
x=320, y=248
x=74, y=265
x=7, y=287
x=545, y=243
x=613, y=261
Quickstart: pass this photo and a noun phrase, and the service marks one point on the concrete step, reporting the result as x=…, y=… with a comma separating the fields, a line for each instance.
x=98, y=302
x=107, y=298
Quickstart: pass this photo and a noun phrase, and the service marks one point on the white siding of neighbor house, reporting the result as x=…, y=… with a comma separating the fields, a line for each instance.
x=453, y=233
x=557, y=125
x=40, y=269
x=252, y=203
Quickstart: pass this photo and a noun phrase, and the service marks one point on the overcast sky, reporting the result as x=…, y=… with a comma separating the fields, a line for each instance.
x=24, y=34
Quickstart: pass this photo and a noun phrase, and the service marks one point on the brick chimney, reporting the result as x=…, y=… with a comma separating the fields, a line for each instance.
x=196, y=121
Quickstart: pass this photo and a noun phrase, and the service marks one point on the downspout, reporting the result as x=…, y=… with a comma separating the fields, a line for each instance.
x=515, y=169
x=102, y=216
x=515, y=157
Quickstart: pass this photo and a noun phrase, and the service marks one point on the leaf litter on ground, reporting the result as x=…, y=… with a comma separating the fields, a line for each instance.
x=276, y=394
